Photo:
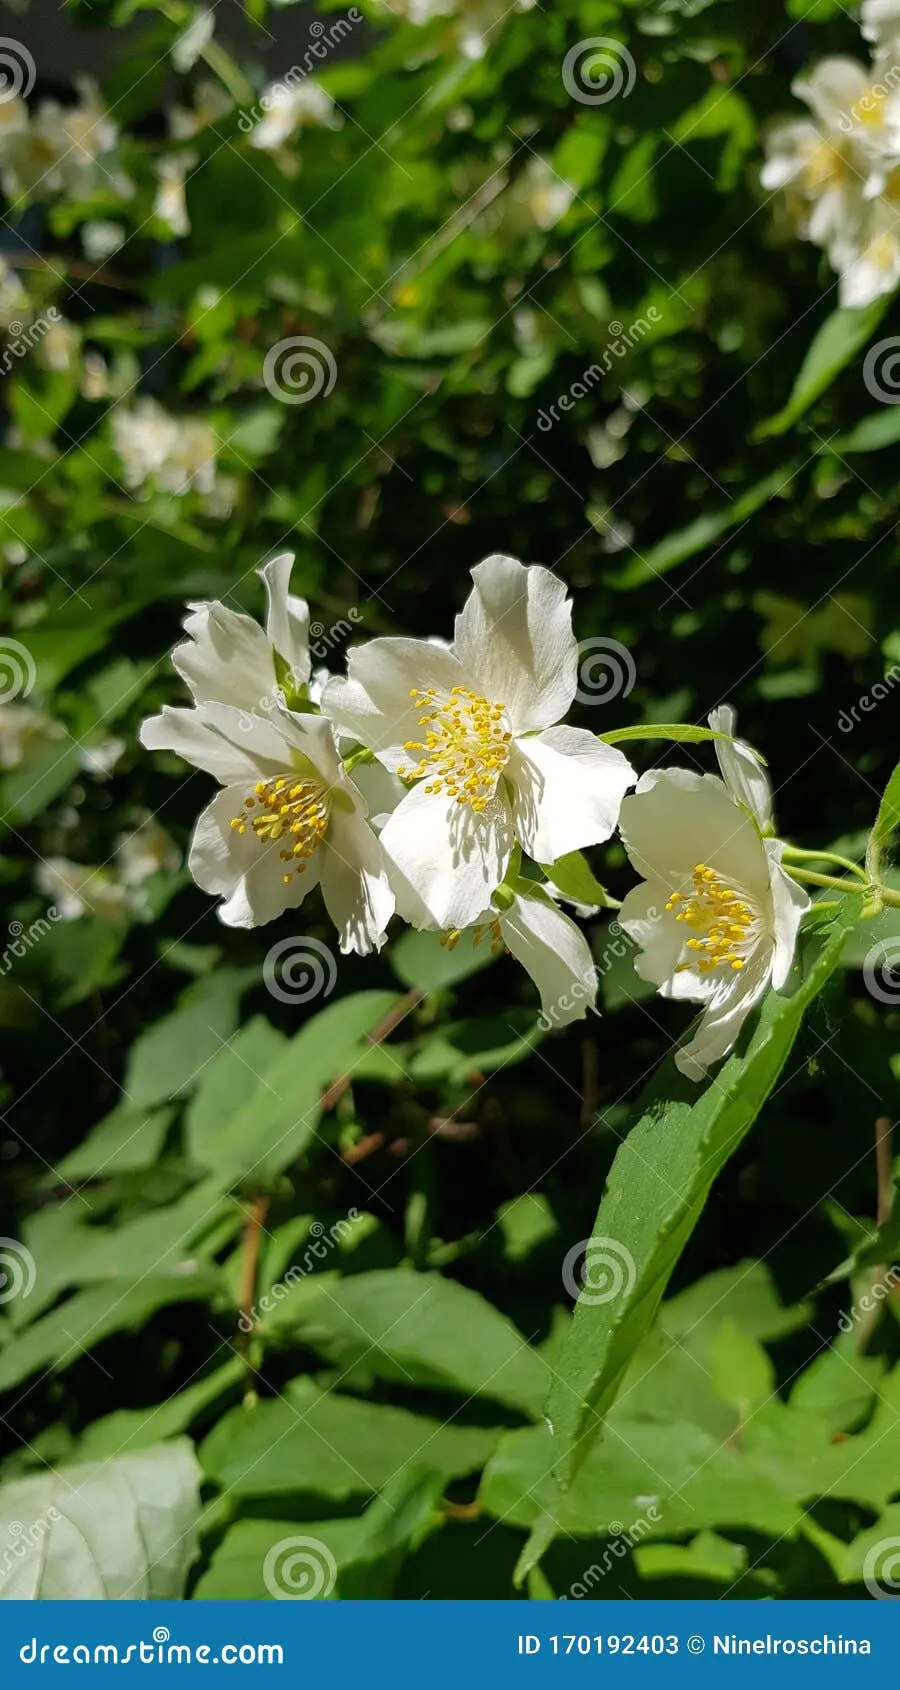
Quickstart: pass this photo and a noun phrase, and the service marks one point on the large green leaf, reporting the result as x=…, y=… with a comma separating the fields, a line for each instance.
x=319, y=1442
x=119, y=1529
x=421, y=1328
x=657, y=1189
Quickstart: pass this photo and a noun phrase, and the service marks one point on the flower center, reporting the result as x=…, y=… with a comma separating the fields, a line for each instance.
x=825, y=168
x=294, y=810
x=882, y=252
x=465, y=746
x=723, y=924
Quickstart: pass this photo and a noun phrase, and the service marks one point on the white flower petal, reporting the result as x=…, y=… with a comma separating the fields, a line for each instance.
x=250, y=876
x=567, y=791
x=226, y=658
x=446, y=859
x=661, y=940
x=374, y=705
x=514, y=638
x=287, y=619
x=355, y=883
x=789, y=905
x=556, y=955
x=677, y=818
x=742, y=771
x=190, y=735
x=834, y=88
x=724, y=1017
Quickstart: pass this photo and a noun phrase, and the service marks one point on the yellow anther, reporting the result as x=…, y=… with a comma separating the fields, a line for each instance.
x=465, y=747
x=721, y=920
x=298, y=809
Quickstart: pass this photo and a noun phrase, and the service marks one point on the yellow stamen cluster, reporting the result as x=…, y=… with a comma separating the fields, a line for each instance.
x=293, y=810
x=465, y=747
x=826, y=167
x=719, y=915
x=451, y=940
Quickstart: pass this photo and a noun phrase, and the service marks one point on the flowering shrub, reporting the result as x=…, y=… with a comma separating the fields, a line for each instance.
x=429, y=453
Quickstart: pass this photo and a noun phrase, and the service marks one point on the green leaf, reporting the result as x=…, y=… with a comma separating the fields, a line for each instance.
x=319, y=1442
x=421, y=961
x=886, y=823
x=227, y=1082
x=573, y=877
x=684, y=733
x=657, y=1189
x=277, y=1121
x=421, y=1328
x=115, y=1529
x=834, y=345
x=742, y=1373
x=126, y=1141
x=168, y=1060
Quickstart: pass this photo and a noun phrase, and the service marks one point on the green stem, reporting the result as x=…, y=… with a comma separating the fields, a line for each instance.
x=800, y=854
x=885, y=895
x=364, y=755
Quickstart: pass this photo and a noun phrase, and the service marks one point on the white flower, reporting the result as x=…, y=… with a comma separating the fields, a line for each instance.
x=59, y=150
x=23, y=729
x=542, y=193
x=716, y=916
x=170, y=204
x=58, y=345
x=287, y=109
x=211, y=102
x=175, y=455
x=100, y=238
x=288, y=818
x=229, y=659
x=825, y=191
x=870, y=266
x=472, y=729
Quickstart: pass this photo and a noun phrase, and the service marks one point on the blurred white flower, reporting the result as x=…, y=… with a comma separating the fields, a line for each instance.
x=100, y=238
x=24, y=728
x=60, y=150
x=58, y=346
x=173, y=454
x=211, y=102
x=289, y=108
x=186, y=50
x=77, y=890
x=170, y=204
x=15, y=306
x=144, y=851
x=542, y=193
